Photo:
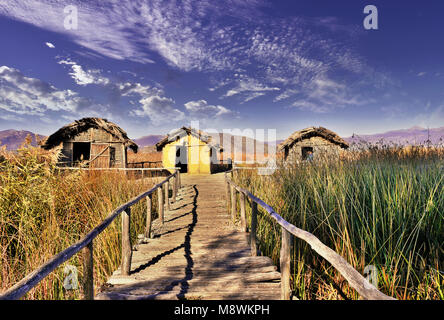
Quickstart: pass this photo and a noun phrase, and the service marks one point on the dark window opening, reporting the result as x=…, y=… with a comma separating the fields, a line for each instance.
x=112, y=156
x=81, y=151
x=285, y=153
x=182, y=158
x=307, y=153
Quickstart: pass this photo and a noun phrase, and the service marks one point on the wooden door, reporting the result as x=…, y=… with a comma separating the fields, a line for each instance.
x=99, y=156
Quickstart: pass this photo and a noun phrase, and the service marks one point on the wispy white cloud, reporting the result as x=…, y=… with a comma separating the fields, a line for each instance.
x=220, y=38
x=201, y=109
x=159, y=110
x=84, y=77
x=30, y=96
x=249, y=89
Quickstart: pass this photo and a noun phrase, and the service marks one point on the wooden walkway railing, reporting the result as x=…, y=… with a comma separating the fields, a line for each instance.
x=354, y=278
x=144, y=164
x=86, y=243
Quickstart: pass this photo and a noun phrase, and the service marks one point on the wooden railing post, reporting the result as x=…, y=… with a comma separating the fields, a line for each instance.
x=233, y=203
x=227, y=193
x=175, y=187
x=149, y=213
x=242, y=211
x=88, y=272
x=160, y=203
x=167, y=195
x=285, y=264
x=253, y=228
x=126, y=242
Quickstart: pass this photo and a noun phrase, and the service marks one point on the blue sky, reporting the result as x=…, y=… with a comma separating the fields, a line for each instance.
x=152, y=66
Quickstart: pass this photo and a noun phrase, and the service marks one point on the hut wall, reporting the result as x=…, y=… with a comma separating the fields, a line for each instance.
x=99, y=139
x=198, y=154
x=321, y=148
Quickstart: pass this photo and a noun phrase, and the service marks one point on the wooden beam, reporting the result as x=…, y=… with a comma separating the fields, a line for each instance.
x=167, y=195
x=149, y=214
x=233, y=204
x=253, y=229
x=126, y=242
x=88, y=272
x=285, y=264
x=160, y=203
x=242, y=212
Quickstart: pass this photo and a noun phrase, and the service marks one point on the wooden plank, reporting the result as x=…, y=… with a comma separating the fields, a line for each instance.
x=88, y=272
x=242, y=212
x=126, y=242
x=167, y=195
x=253, y=229
x=285, y=264
x=160, y=203
x=149, y=216
x=233, y=204
x=227, y=194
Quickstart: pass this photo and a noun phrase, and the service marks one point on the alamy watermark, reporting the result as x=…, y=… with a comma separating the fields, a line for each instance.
x=238, y=145
x=71, y=21
x=371, y=20
x=71, y=281
x=371, y=275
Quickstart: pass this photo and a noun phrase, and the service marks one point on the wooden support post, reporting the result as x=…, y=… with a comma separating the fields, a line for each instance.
x=126, y=242
x=285, y=264
x=242, y=211
x=88, y=272
x=180, y=179
x=174, y=186
x=227, y=193
x=253, y=228
x=167, y=195
x=160, y=203
x=149, y=208
x=233, y=203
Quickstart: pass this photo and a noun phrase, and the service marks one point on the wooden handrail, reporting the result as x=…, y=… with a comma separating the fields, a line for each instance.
x=353, y=277
x=32, y=279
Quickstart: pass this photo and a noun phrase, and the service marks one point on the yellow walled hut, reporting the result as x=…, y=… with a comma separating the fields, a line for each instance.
x=192, y=150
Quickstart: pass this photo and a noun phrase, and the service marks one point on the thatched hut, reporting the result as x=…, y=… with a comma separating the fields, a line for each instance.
x=190, y=149
x=311, y=143
x=92, y=142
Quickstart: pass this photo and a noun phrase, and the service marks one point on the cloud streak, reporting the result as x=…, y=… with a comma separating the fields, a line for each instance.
x=29, y=96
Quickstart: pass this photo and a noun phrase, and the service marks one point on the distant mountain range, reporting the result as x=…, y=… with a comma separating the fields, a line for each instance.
x=415, y=135
x=13, y=139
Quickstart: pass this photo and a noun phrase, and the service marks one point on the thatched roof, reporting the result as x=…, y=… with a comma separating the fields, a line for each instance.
x=71, y=130
x=313, y=132
x=181, y=132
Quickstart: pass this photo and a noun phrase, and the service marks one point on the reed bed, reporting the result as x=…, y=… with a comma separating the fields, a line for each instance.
x=382, y=207
x=44, y=210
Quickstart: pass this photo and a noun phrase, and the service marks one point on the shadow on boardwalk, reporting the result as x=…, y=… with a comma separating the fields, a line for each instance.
x=215, y=263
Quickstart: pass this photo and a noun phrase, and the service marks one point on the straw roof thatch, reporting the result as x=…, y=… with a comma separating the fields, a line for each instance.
x=71, y=130
x=179, y=133
x=313, y=132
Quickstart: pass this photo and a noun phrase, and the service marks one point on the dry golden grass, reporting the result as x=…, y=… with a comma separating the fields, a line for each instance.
x=44, y=210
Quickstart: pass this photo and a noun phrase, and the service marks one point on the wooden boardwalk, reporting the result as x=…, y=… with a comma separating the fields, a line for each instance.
x=197, y=253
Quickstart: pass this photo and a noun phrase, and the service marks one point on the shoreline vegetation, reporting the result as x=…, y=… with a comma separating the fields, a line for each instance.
x=44, y=210
x=382, y=207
